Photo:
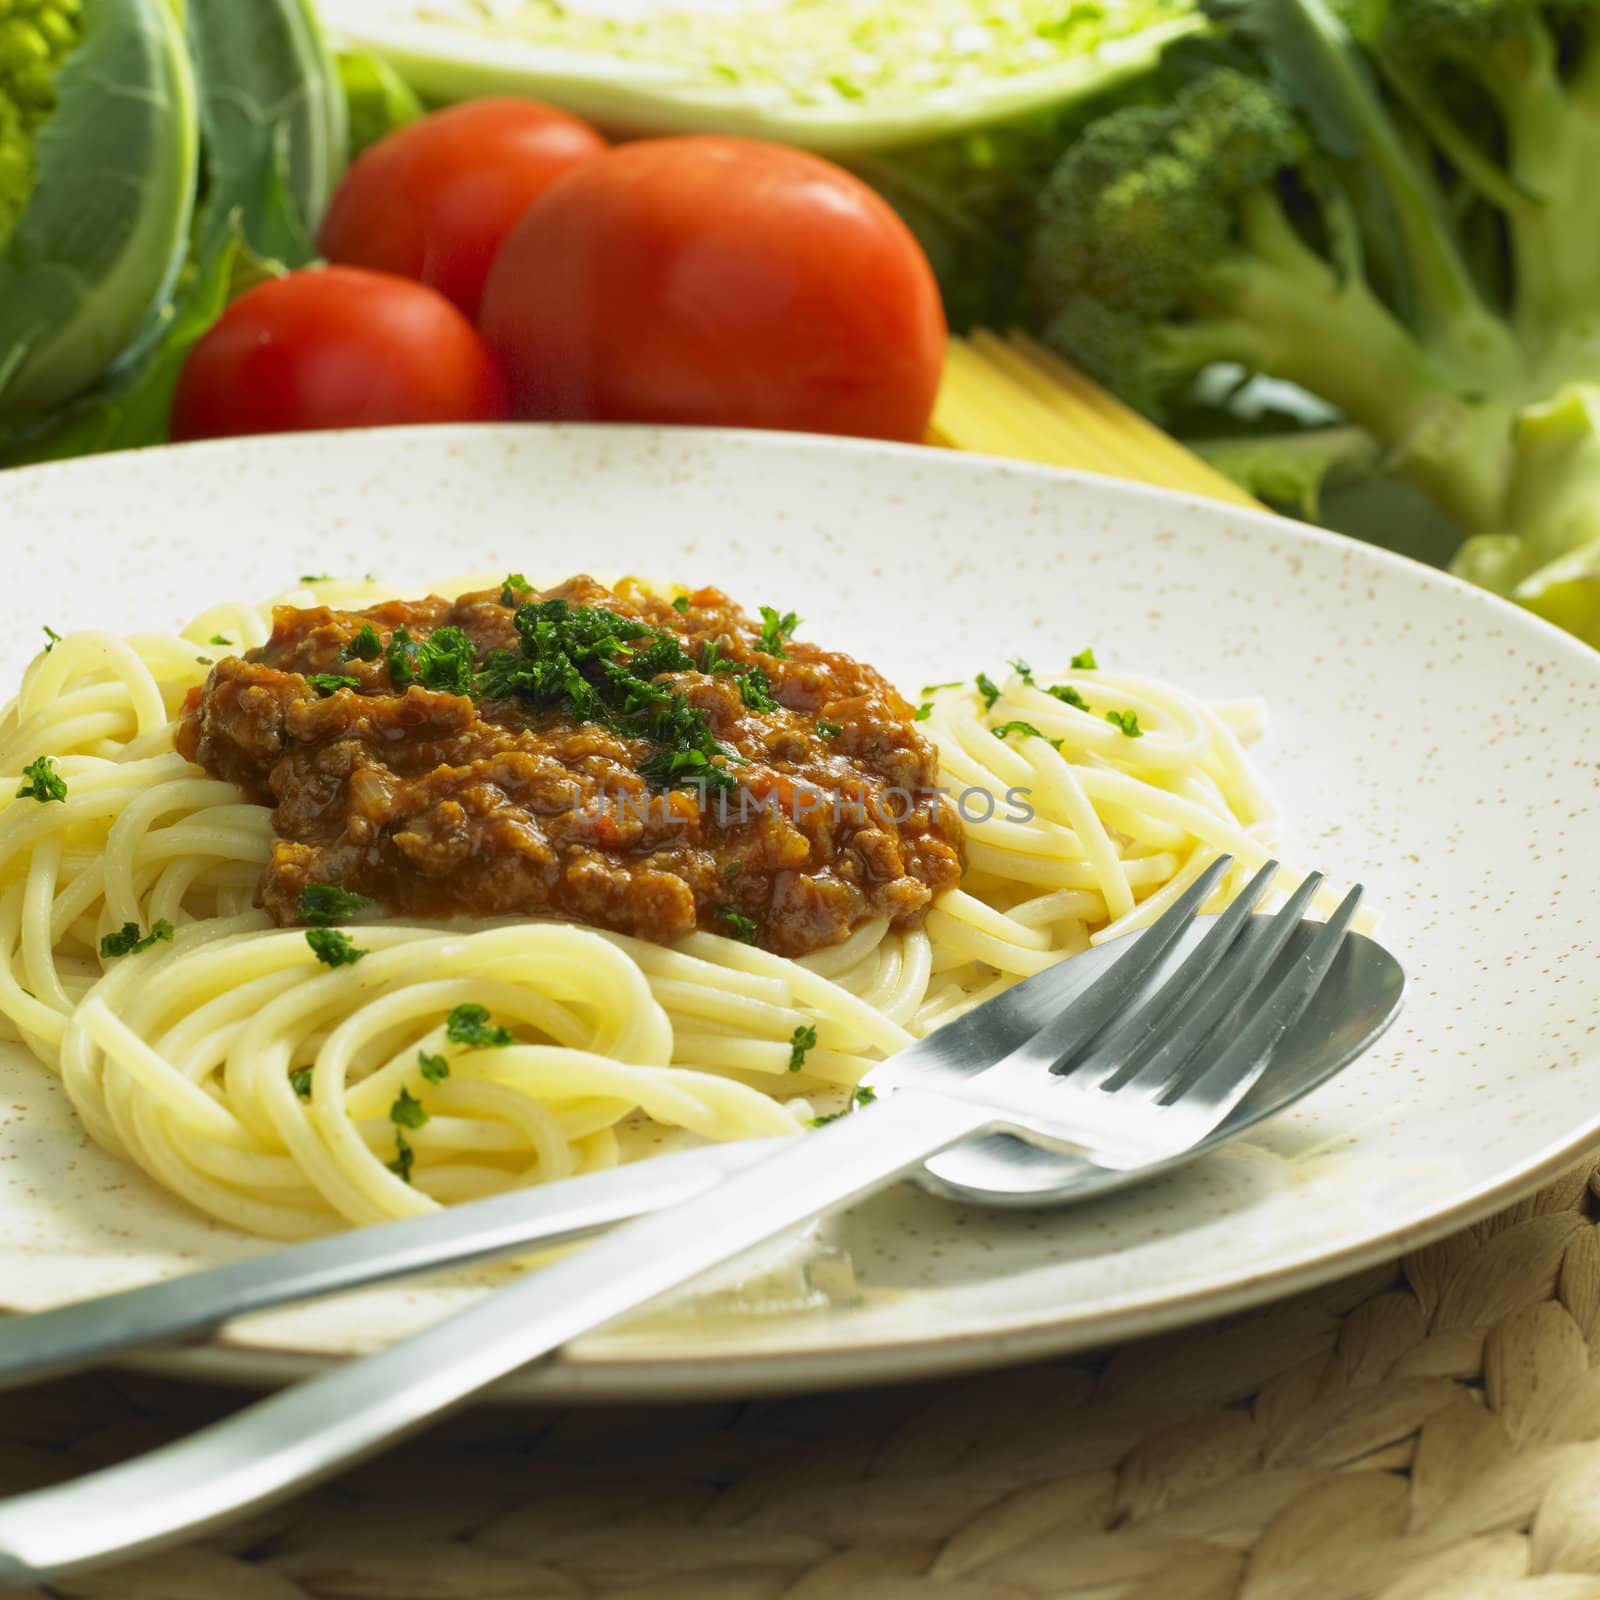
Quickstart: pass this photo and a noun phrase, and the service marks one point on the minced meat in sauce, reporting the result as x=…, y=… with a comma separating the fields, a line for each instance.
x=786, y=795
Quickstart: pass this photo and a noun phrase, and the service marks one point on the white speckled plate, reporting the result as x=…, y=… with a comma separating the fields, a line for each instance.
x=1431, y=741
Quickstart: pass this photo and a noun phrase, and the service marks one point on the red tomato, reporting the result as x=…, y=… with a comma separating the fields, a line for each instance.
x=720, y=281
x=336, y=348
x=433, y=201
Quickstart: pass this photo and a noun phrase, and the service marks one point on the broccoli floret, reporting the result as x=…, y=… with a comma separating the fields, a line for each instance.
x=1508, y=94
x=34, y=40
x=1211, y=230
x=1385, y=204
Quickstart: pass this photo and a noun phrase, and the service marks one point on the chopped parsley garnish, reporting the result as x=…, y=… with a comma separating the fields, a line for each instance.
x=863, y=1095
x=42, y=782
x=218, y=638
x=408, y=1111
x=829, y=730
x=315, y=577
x=774, y=630
x=404, y=1159
x=400, y=657
x=1084, y=661
x=1065, y=693
x=1022, y=669
x=600, y=667
x=322, y=903
x=800, y=1041
x=326, y=683
x=755, y=689
x=739, y=927
x=674, y=768
x=434, y=1068
x=52, y=638
x=469, y=1025
x=733, y=869
x=300, y=1082
x=126, y=941
x=934, y=688
x=681, y=605
x=333, y=948
x=444, y=661
x=987, y=689
x=1026, y=729
x=514, y=585
x=1128, y=721
x=713, y=658
x=923, y=712
x=365, y=646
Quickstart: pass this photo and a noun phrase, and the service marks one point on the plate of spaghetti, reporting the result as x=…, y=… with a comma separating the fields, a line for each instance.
x=394, y=820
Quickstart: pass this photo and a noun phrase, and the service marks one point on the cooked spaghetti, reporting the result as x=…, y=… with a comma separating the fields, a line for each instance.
x=289, y=1052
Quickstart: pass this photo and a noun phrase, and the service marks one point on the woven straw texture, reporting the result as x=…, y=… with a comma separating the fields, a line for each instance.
x=1425, y=1432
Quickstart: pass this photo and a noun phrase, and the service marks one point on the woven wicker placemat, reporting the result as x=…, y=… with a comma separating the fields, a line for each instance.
x=1429, y=1431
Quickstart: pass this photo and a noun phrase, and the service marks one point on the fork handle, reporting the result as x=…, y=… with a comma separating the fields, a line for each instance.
x=305, y=1433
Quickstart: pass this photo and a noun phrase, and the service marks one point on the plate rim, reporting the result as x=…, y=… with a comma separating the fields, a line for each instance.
x=678, y=1374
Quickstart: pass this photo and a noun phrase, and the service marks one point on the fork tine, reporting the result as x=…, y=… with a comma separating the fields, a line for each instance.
x=1088, y=1015
x=1229, y=1078
x=1108, y=1059
x=1191, y=1033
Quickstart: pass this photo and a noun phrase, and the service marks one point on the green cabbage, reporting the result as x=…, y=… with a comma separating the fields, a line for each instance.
x=837, y=76
x=263, y=91
x=98, y=152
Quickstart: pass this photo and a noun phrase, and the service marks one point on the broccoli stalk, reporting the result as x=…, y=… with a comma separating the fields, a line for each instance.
x=1394, y=222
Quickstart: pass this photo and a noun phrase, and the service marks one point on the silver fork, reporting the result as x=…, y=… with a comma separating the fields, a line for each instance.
x=1125, y=1073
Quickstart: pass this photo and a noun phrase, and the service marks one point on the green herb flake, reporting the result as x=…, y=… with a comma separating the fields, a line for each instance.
x=400, y=657
x=923, y=712
x=323, y=903
x=681, y=605
x=326, y=683
x=1127, y=721
x=1065, y=693
x=42, y=782
x=300, y=1082
x=1022, y=670
x=405, y=1159
x=469, y=1025
x=1084, y=661
x=408, y=1112
x=126, y=941
x=52, y=638
x=333, y=948
x=364, y=646
x=987, y=688
x=934, y=688
x=315, y=577
x=829, y=730
x=1026, y=729
x=434, y=1068
x=515, y=585
x=755, y=689
x=445, y=661
x=738, y=927
x=218, y=638
x=733, y=869
x=863, y=1095
x=774, y=630
x=802, y=1040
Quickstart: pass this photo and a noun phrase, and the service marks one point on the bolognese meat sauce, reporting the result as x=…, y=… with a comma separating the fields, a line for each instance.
x=605, y=755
